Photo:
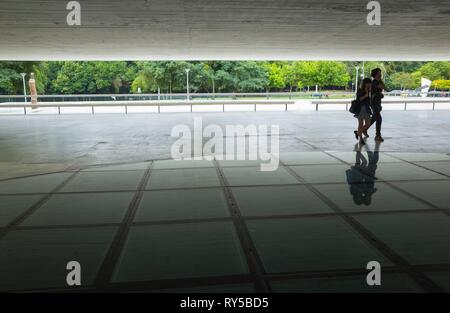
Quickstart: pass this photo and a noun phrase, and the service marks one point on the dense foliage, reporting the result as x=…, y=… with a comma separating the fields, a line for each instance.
x=67, y=77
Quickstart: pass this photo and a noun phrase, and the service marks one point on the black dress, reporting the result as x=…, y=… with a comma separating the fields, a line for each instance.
x=363, y=110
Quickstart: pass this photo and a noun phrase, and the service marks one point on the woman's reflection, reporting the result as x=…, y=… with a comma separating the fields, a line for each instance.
x=361, y=177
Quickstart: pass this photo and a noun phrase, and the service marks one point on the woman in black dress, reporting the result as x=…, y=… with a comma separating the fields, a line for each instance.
x=363, y=112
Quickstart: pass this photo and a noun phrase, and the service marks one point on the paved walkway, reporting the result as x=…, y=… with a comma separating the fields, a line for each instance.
x=140, y=224
x=34, y=144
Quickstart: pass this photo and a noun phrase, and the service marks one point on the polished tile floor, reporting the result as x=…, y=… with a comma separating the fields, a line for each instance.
x=224, y=226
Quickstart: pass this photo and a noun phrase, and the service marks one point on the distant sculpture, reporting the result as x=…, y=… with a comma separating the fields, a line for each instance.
x=33, y=92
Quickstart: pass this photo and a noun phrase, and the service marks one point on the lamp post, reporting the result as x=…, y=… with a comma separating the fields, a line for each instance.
x=356, y=79
x=187, y=84
x=24, y=86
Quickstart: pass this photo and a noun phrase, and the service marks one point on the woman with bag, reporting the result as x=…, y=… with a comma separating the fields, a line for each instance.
x=362, y=109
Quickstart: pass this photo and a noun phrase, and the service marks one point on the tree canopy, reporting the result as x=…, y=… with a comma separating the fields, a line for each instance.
x=83, y=77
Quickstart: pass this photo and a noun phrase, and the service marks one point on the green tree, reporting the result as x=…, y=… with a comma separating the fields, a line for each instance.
x=75, y=78
x=430, y=71
x=305, y=73
x=287, y=71
x=167, y=76
x=11, y=80
x=405, y=66
x=110, y=77
x=66, y=77
x=275, y=75
x=225, y=81
x=331, y=73
x=209, y=69
x=241, y=76
x=249, y=76
x=299, y=73
x=402, y=80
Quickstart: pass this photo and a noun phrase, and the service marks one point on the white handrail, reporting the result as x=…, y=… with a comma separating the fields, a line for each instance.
x=149, y=103
x=400, y=101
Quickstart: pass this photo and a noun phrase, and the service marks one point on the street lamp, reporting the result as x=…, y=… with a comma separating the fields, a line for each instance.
x=187, y=84
x=24, y=86
x=356, y=79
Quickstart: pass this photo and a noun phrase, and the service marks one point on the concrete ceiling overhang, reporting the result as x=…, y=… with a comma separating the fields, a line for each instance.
x=225, y=30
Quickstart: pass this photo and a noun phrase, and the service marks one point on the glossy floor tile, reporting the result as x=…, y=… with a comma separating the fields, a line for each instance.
x=442, y=167
x=404, y=171
x=34, y=184
x=175, y=164
x=333, y=173
x=370, y=157
x=38, y=258
x=243, y=176
x=302, y=158
x=85, y=208
x=278, y=200
x=182, y=204
x=310, y=244
x=435, y=192
x=104, y=181
x=389, y=283
x=12, y=207
x=420, y=238
x=230, y=288
x=442, y=279
x=235, y=162
x=119, y=167
x=369, y=197
x=180, y=251
x=183, y=178
x=421, y=156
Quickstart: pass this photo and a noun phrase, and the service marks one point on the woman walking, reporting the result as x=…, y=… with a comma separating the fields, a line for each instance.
x=363, y=112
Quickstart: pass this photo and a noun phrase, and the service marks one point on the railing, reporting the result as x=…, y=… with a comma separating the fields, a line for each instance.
x=405, y=102
x=417, y=94
x=157, y=104
x=175, y=96
x=203, y=96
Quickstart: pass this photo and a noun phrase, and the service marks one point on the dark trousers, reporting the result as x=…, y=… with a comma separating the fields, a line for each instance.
x=377, y=119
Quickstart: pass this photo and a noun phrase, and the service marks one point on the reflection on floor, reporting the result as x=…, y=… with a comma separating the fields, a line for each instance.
x=223, y=226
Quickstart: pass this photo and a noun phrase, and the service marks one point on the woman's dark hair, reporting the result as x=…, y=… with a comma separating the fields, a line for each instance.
x=364, y=82
x=375, y=71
